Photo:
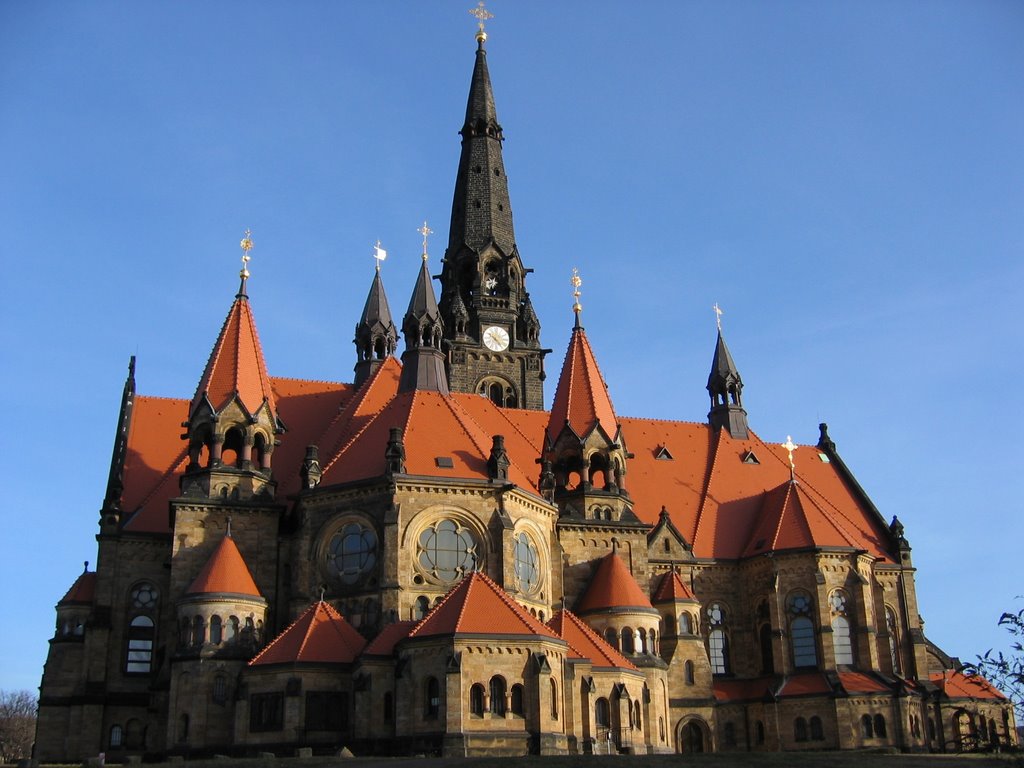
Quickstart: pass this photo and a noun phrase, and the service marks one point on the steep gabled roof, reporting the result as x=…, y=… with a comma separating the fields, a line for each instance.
x=236, y=365
x=612, y=586
x=581, y=398
x=672, y=588
x=319, y=636
x=82, y=592
x=585, y=643
x=478, y=606
x=224, y=573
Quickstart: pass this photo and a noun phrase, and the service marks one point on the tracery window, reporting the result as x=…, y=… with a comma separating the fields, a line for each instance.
x=838, y=602
x=447, y=550
x=526, y=563
x=141, y=632
x=718, y=641
x=116, y=736
x=351, y=553
x=801, y=630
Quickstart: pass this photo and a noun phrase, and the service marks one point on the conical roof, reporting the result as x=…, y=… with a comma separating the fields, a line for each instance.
x=236, y=365
x=671, y=588
x=83, y=591
x=423, y=302
x=723, y=368
x=478, y=606
x=319, y=636
x=581, y=399
x=376, y=312
x=224, y=573
x=612, y=586
x=584, y=643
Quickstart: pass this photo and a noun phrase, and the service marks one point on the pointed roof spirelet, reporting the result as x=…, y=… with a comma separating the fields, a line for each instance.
x=423, y=361
x=319, y=636
x=726, y=388
x=612, y=586
x=115, y=480
x=376, y=312
x=225, y=573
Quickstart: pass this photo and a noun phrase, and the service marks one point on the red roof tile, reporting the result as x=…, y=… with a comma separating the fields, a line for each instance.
x=957, y=685
x=225, y=572
x=319, y=636
x=743, y=690
x=236, y=364
x=612, y=586
x=581, y=398
x=478, y=606
x=384, y=643
x=805, y=683
x=670, y=588
x=83, y=591
x=585, y=643
x=858, y=682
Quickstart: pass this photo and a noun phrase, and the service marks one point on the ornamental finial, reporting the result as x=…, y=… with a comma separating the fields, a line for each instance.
x=379, y=254
x=482, y=15
x=246, y=246
x=576, y=281
x=790, y=446
x=718, y=316
x=425, y=231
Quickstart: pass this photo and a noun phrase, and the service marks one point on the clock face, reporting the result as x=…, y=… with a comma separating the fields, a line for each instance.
x=496, y=338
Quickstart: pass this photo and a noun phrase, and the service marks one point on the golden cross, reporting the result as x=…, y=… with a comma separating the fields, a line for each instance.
x=576, y=281
x=482, y=15
x=425, y=231
x=246, y=246
x=718, y=315
x=790, y=446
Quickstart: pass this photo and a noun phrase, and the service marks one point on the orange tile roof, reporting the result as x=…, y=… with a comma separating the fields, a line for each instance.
x=585, y=643
x=805, y=683
x=957, y=685
x=671, y=587
x=743, y=690
x=478, y=606
x=83, y=591
x=581, y=398
x=612, y=586
x=319, y=636
x=384, y=643
x=858, y=682
x=224, y=573
x=236, y=364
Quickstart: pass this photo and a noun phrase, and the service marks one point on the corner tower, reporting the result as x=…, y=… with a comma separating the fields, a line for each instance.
x=491, y=330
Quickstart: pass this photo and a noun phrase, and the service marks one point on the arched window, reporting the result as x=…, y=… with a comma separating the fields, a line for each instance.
x=866, y=727
x=116, y=737
x=758, y=732
x=685, y=624
x=817, y=733
x=351, y=553
x=420, y=608
x=801, y=630
x=389, y=707
x=516, y=699
x=838, y=602
x=432, y=698
x=800, y=729
x=476, y=700
x=612, y=637
x=198, y=630
x=141, y=632
x=627, y=641
x=688, y=672
x=642, y=646
x=216, y=630
x=602, y=713
x=637, y=722
x=652, y=645
x=498, y=696
x=879, y=726
x=231, y=629
x=718, y=641
x=220, y=689
x=526, y=563
x=554, y=699
x=894, y=639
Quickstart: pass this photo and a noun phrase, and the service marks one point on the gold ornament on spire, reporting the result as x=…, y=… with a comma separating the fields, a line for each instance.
x=246, y=246
x=482, y=15
x=425, y=231
x=790, y=446
x=576, y=281
x=718, y=316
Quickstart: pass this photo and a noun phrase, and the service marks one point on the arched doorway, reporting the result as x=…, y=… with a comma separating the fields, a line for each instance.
x=691, y=737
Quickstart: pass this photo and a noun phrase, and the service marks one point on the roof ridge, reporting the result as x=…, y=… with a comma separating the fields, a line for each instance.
x=280, y=634
x=184, y=400
x=716, y=435
x=371, y=420
x=168, y=473
x=828, y=514
x=312, y=381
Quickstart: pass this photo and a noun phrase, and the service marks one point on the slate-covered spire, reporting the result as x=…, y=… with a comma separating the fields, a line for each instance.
x=423, y=361
x=376, y=335
x=726, y=389
x=115, y=480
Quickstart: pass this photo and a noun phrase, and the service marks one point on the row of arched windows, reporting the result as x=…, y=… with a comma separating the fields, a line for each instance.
x=496, y=699
x=193, y=631
x=633, y=641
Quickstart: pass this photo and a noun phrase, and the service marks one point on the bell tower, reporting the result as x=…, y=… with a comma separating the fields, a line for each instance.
x=492, y=335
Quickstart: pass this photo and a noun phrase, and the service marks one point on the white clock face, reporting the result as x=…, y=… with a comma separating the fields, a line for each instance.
x=496, y=338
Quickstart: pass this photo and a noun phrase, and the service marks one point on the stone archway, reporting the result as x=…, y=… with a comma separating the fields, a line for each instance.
x=692, y=736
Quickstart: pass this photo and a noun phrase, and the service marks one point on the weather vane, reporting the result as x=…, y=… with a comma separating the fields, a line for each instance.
x=246, y=246
x=576, y=281
x=718, y=316
x=425, y=231
x=379, y=254
x=790, y=446
x=482, y=15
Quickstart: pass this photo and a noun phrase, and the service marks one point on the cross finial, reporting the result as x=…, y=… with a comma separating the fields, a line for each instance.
x=482, y=15
x=426, y=232
x=246, y=246
x=379, y=254
x=576, y=281
x=718, y=316
x=790, y=446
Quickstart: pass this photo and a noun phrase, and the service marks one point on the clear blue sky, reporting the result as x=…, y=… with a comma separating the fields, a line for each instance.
x=846, y=179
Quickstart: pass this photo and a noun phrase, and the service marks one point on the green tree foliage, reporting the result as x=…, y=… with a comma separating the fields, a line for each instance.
x=17, y=725
x=1006, y=670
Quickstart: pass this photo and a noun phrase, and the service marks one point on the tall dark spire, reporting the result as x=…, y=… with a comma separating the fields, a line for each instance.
x=726, y=389
x=115, y=480
x=376, y=335
x=423, y=361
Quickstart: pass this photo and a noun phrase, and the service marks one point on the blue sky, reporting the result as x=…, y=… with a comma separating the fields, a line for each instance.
x=844, y=179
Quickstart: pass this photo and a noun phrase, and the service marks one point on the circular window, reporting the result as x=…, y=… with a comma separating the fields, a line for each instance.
x=351, y=553
x=447, y=550
x=527, y=571
x=144, y=596
x=800, y=603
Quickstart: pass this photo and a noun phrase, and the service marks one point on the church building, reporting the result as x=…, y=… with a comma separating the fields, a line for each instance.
x=425, y=560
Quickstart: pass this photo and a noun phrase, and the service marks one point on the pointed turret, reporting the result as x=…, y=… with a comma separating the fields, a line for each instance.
x=115, y=480
x=423, y=361
x=726, y=389
x=376, y=335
